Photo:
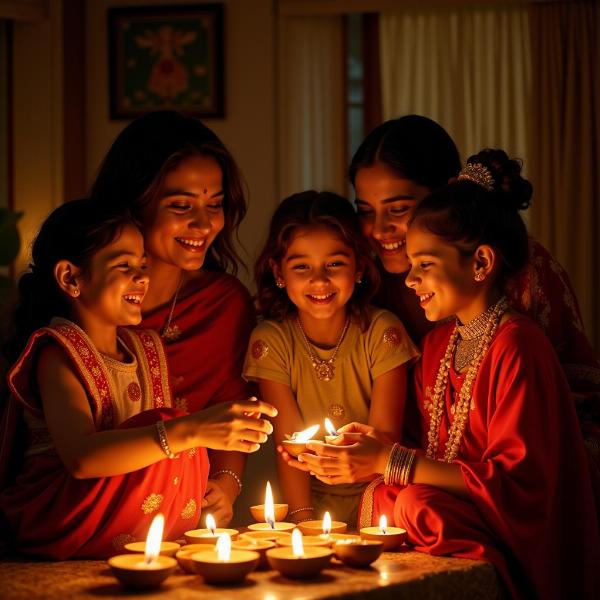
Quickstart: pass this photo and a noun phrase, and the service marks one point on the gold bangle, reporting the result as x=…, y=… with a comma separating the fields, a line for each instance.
x=163, y=440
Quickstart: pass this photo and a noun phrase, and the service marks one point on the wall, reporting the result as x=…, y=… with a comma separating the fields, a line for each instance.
x=248, y=128
x=37, y=121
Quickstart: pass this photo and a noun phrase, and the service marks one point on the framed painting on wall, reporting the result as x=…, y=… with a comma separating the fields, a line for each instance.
x=166, y=57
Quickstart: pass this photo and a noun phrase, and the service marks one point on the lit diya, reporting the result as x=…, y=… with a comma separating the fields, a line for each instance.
x=224, y=565
x=210, y=534
x=296, y=443
x=392, y=537
x=326, y=528
x=148, y=570
x=297, y=561
x=184, y=556
x=255, y=545
x=166, y=548
x=270, y=523
x=332, y=433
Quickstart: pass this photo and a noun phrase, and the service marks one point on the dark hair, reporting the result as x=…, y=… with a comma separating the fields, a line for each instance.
x=416, y=147
x=133, y=172
x=313, y=209
x=467, y=215
x=75, y=231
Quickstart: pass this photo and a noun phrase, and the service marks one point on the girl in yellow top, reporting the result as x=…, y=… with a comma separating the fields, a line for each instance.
x=322, y=350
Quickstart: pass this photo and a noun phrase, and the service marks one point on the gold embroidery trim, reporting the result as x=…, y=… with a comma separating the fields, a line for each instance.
x=366, y=508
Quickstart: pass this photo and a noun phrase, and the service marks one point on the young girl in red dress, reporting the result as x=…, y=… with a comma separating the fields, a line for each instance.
x=105, y=450
x=500, y=471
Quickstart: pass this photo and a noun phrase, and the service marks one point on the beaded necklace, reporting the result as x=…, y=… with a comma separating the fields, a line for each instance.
x=460, y=409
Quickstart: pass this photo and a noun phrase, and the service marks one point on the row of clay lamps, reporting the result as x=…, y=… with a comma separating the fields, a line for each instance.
x=223, y=555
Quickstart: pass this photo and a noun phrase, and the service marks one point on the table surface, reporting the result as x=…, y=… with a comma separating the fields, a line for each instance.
x=397, y=575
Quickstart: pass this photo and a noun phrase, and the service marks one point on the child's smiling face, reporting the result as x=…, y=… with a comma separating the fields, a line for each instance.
x=440, y=275
x=113, y=290
x=319, y=271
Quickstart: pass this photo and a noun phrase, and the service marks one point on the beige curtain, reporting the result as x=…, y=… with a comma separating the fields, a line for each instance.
x=311, y=119
x=565, y=145
x=467, y=68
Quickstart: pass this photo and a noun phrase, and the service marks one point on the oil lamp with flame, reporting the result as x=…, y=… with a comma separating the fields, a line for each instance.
x=270, y=524
x=298, y=440
x=299, y=561
x=148, y=570
x=392, y=537
x=210, y=534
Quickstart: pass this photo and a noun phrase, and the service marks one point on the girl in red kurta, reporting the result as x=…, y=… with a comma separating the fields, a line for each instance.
x=500, y=473
x=399, y=163
x=96, y=401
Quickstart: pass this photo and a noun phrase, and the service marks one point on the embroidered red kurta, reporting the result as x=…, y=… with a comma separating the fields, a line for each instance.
x=530, y=509
x=49, y=513
x=214, y=323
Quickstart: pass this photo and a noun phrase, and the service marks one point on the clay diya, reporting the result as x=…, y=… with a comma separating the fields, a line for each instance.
x=298, y=562
x=357, y=552
x=184, y=556
x=224, y=565
x=166, y=548
x=148, y=570
x=210, y=534
x=260, y=546
x=324, y=527
x=296, y=443
x=270, y=523
x=268, y=535
x=392, y=537
x=332, y=433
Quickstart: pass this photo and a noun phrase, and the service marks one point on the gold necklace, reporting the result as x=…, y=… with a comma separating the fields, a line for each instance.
x=172, y=333
x=460, y=409
x=324, y=368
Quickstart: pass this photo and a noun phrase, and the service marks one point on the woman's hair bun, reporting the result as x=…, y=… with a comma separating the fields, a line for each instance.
x=507, y=176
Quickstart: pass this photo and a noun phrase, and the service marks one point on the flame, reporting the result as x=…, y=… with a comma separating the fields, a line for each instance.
x=154, y=538
x=297, y=546
x=307, y=434
x=327, y=523
x=210, y=523
x=224, y=547
x=269, y=507
x=330, y=428
x=383, y=523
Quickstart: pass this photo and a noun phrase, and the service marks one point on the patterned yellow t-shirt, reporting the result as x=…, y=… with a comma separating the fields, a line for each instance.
x=277, y=352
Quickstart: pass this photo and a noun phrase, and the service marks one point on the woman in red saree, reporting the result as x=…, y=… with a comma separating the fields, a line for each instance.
x=178, y=179
x=396, y=166
x=500, y=472
x=96, y=401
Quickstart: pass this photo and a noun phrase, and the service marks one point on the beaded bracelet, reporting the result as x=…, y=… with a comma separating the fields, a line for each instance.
x=231, y=474
x=302, y=520
x=293, y=512
x=162, y=439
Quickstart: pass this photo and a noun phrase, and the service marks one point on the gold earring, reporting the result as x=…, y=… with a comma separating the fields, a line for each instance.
x=479, y=276
x=280, y=283
x=359, y=279
x=76, y=292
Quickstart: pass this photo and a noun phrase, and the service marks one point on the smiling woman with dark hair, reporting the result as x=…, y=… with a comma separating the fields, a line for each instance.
x=184, y=187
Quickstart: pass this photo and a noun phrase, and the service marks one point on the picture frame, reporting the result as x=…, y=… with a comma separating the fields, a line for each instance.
x=166, y=57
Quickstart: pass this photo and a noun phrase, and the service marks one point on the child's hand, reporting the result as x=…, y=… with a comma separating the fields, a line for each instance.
x=360, y=458
x=227, y=427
